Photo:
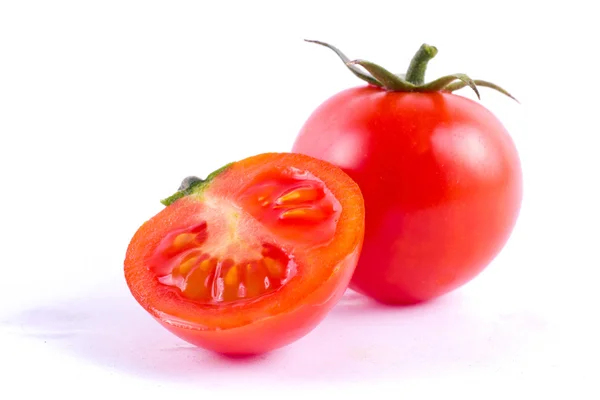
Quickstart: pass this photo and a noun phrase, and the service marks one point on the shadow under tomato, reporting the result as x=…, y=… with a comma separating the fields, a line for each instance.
x=360, y=339
x=115, y=332
x=354, y=302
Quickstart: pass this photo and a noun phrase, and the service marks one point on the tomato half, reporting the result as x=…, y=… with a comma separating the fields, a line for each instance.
x=254, y=257
x=441, y=180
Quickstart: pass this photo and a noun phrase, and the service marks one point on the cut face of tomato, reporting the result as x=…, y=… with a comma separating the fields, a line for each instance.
x=231, y=254
x=253, y=258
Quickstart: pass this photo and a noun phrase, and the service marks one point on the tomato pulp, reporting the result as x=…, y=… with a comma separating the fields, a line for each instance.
x=252, y=258
x=441, y=181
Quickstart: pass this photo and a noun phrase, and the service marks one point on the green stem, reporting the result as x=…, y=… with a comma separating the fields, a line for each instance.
x=445, y=82
x=459, y=85
x=346, y=60
x=187, y=187
x=388, y=80
x=414, y=80
x=193, y=184
x=416, y=70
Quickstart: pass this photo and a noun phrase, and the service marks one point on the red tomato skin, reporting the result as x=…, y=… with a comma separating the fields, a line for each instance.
x=441, y=180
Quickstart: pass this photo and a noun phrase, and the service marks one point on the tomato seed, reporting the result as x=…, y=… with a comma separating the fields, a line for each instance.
x=308, y=214
x=301, y=195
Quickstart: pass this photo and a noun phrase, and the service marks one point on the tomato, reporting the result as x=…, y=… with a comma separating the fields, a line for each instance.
x=253, y=257
x=440, y=176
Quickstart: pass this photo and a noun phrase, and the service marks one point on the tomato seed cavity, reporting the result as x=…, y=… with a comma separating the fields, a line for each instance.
x=180, y=262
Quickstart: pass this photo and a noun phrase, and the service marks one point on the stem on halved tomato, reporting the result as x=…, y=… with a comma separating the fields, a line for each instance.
x=192, y=184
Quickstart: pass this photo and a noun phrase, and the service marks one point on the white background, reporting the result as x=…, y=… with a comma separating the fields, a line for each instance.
x=105, y=106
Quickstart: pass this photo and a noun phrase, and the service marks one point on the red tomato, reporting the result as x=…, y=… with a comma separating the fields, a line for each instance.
x=254, y=257
x=441, y=181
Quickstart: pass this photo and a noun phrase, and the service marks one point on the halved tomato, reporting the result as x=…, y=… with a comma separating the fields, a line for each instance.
x=253, y=257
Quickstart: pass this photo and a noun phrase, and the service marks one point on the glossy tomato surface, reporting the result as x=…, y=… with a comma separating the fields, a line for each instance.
x=252, y=259
x=441, y=180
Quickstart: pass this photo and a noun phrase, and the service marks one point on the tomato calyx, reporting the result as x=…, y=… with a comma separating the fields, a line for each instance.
x=414, y=79
x=192, y=184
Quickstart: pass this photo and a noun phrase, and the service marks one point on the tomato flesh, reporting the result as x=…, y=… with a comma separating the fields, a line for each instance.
x=253, y=261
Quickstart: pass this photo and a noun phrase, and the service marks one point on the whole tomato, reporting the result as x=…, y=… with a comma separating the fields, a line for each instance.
x=440, y=176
